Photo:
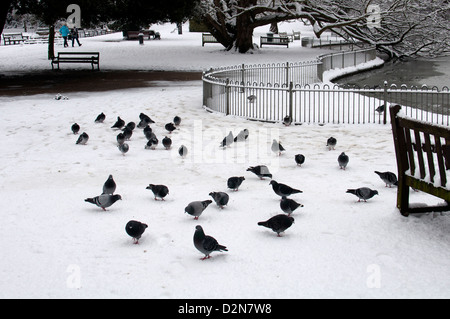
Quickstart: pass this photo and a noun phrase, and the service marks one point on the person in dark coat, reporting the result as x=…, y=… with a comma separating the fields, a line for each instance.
x=74, y=34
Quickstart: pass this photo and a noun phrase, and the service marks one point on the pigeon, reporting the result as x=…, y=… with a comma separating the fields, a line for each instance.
x=278, y=223
x=130, y=125
x=206, y=244
x=196, y=208
x=182, y=151
x=277, y=148
x=100, y=118
x=363, y=193
x=380, y=109
x=120, y=138
x=119, y=123
x=75, y=128
x=220, y=198
x=261, y=171
x=149, y=134
x=123, y=148
x=83, y=139
x=177, y=120
x=299, y=159
x=242, y=136
x=143, y=123
x=167, y=142
x=109, y=187
x=127, y=133
x=388, y=178
x=170, y=127
x=146, y=118
x=135, y=229
x=287, y=121
x=228, y=140
x=288, y=205
x=160, y=191
x=343, y=160
x=283, y=189
x=152, y=142
x=104, y=200
x=251, y=98
x=234, y=182
x=331, y=143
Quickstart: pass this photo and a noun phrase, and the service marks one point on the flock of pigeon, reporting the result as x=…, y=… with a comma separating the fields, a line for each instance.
x=204, y=243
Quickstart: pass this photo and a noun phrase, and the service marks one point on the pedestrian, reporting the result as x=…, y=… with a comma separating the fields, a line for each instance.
x=65, y=33
x=74, y=34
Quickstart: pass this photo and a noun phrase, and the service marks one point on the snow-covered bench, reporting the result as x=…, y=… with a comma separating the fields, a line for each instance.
x=274, y=41
x=14, y=38
x=208, y=38
x=423, y=158
x=77, y=57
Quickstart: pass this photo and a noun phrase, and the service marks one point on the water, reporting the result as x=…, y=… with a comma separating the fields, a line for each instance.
x=434, y=72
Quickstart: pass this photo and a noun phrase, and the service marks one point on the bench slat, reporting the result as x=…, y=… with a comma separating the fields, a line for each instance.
x=440, y=159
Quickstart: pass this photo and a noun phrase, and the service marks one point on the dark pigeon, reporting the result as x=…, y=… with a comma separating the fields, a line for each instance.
x=261, y=171
x=109, y=187
x=119, y=123
x=288, y=205
x=363, y=193
x=146, y=118
x=182, y=151
x=120, y=138
x=177, y=120
x=83, y=139
x=167, y=142
x=388, y=178
x=104, y=200
x=152, y=142
x=283, y=189
x=331, y=143
x=135, y=229
x=170, y=127
x=234, y=182
x=299, y=159
x=75, y=128
x=206, y=244
x=100, y=118
x=220, y=198
x=278, y=223
x=123, y=148
x=343, y=160
x=130, y=125
x=287, y=121
x=196, y=208
x=160, y=191
x=127, y=133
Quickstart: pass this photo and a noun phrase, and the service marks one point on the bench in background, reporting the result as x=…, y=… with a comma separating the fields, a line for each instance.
x=284, y=41
x=423, y=158
x=208, y=38
x=14, y=38
x=77, y=57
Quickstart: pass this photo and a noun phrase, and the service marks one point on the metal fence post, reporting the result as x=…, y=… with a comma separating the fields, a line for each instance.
x=291, y=99
x=227, y=96
x=287, y=73
x=385, y=97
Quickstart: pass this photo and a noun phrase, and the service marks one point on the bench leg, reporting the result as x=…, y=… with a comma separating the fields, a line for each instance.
x=403, y=198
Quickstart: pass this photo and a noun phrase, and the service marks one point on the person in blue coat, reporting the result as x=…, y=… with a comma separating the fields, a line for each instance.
x=65, y=33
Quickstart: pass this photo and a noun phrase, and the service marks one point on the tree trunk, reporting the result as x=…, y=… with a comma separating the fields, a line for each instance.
x=244, y=30
x=51, y=42
x=4, y=8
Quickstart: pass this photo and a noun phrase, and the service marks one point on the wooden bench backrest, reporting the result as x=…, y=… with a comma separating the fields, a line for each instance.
x=79, y=54
x=421, y=148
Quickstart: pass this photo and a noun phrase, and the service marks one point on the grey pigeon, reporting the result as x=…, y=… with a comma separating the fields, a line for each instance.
x=388, y=178
x=160, y=191
x=380, y=109
x=75, y=128
x=261, y=171
x=167, y=142
x=220, y=198
x=196, y=208
x=343, y=160
x=109, y=187
x=299, y=159
x=182, y=151
x=288, y=205
x=127, y=133
x=83, y=139
x=130, y=125
x=331, y=143
x=287, y=121
x=177, y=120
x=104, y=200
x=227, y=140
x=278, y=223
x=119, y=123
x=120, y=138
x=277, y=148
x=251, y=98
x=143, y=123
x=149, y=134
x=146, y=118
x=170, y=127
x=123, y=148
x=234, y=182
x=206, y=244
x=135, y=229
x=100, y=118
x=242, y=136
x=283, y=189
x=152, y=142
x=363, y=193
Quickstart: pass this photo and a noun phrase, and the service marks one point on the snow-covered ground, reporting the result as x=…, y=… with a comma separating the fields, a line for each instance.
x=55, y=245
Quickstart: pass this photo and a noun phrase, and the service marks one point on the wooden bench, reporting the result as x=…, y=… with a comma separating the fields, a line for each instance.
x=14, y=38
x=274, y=41
x=149, y=34
x=77, y=57
x=423, y=158
x=208, y=38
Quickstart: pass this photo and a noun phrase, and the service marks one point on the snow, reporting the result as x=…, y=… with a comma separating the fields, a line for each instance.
x=55, y=245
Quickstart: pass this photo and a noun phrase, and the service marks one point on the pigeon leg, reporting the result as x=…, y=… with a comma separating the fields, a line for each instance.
x=104, y=209
x=196, y=217
x=206, y=257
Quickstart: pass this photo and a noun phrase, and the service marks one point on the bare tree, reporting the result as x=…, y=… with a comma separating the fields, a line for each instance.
x=398, y=27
